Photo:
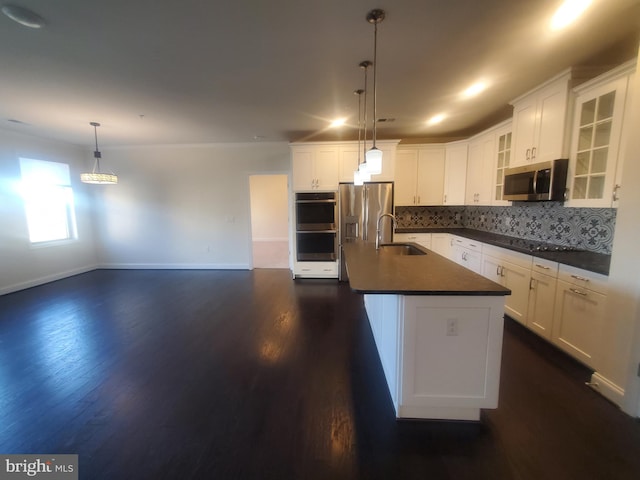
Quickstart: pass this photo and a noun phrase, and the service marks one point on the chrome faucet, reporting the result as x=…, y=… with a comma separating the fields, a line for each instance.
x=393, y=222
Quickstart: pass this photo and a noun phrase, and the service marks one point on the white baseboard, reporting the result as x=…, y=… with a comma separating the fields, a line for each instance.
x=607, y=388
x=175, y=266
x=46, y=279
x=121, y=266
x=277, y=239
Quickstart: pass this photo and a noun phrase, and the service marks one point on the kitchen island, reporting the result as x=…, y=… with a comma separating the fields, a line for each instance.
x=437, y=328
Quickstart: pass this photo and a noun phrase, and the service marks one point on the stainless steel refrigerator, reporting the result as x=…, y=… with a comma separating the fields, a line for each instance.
x=360, y=207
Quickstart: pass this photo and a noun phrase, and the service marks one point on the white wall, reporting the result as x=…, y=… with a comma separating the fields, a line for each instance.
x=182, y=206
x=21, y=265
x=622, y=339
x=269, y=208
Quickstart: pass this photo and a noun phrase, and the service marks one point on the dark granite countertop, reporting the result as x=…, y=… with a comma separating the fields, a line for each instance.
x=590, y=261
x=377, y=271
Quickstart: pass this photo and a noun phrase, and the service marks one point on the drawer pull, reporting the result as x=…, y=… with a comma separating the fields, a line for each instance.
x=543, y=267
x=578, y=277
x=578, y=292
x=473, y=245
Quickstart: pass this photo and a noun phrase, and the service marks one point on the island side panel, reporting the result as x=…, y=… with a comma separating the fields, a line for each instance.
x=384, y=319
x=451, y=355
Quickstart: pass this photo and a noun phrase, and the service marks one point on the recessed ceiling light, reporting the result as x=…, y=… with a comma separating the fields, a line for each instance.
x=23, y=16
x=568, y=12
x=474, y=89
x=436, y=119
x=338, y=122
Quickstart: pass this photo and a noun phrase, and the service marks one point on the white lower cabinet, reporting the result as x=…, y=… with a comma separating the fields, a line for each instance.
x=579, y=319
x=440, y=354
x=542, y=294
x=441, y=244
x=467, y=253
x=512, y=270
x=316, y=269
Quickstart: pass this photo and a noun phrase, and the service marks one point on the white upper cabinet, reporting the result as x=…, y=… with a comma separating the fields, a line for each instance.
x=480, y=165
x=419, y=178
x=315, y=167
x=349, y=160
x=455, y=173
x=594, y=167
x=322, y=165
x=503, y=158
x=540, y=122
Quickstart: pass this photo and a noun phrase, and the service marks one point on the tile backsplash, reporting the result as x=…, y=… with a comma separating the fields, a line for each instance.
x=584, y=228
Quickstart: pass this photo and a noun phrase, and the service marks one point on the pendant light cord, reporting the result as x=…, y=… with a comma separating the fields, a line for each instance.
x=96, y=154
x=375, y=67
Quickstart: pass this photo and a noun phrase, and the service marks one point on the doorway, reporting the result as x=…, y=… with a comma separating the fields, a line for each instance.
x=269, y=220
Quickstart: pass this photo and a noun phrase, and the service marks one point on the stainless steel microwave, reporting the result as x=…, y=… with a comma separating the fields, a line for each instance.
x=537, y=181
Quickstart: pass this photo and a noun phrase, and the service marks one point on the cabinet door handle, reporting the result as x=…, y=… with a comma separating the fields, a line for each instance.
x=418, y=199
x=533, y=153
x=528, y=154
x=445, y=198
x=578, y=292
x=543, y=267
x=532, y=284
x=501, y=271
x=615, y=197
x=578, y=277
x=498, y=271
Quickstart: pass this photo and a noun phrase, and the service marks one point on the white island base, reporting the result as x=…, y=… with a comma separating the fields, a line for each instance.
x=441, y=355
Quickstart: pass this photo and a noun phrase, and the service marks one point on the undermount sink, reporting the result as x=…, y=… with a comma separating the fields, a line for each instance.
x=401, y=249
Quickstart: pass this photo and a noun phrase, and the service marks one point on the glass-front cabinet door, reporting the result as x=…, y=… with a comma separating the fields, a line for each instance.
x=503, y=152
x=596, y=142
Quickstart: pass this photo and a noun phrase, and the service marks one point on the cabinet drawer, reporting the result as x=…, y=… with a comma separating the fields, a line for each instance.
x=546, y=267
x=521, y=259
x=316, y=269
x=583, y=278
x=467, y=243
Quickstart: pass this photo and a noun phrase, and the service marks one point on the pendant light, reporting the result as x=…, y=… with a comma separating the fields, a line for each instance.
x=357, y=177
x=373, y=157
x=362, y=174
x=97, y=176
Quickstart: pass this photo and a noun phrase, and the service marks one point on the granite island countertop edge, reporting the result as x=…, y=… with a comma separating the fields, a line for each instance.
x=374, y=271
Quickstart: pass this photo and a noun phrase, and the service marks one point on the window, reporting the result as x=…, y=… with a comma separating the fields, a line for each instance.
x=48, y=199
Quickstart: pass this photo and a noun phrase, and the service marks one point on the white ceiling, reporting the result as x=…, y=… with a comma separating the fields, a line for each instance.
x=201, y=71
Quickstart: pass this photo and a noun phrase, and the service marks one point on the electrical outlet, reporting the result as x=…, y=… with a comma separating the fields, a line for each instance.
x=452, y=327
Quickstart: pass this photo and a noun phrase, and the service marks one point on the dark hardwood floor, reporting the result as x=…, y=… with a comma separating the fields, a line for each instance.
x=249, y=375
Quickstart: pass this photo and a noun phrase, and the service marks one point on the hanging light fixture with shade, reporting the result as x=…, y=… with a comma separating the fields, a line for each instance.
x=362, y=174
x=97, y=176
x=373, y=158
x=357, y=175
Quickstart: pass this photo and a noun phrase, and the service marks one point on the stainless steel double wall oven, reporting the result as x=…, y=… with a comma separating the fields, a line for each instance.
x=316, y=226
